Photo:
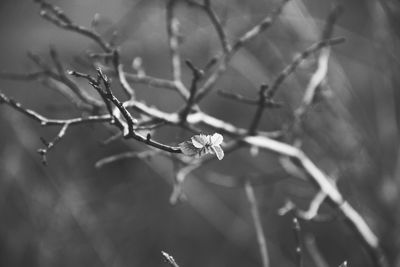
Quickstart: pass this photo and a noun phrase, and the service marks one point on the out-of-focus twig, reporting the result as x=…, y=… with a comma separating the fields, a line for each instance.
x=262, y=243
x=314, y=252
x=226, y=57
x=275, y=85
x=127, y=155
x=169, y=259
x=242, y=99
x=197, y=75
x=322, y=69
x=262, y=98
x=297, y=234
x=173, y=44
x=56, y=16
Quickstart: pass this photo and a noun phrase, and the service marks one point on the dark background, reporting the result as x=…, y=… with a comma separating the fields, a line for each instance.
x=71, y=214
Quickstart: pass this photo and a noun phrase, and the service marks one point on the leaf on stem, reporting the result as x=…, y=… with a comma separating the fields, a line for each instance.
x=202, y=144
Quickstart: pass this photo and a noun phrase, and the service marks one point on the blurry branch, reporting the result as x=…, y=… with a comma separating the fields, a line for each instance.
x=169, y=259
x=191, y=165
x=262, y=243
x=314, y=252
x=69, y=89
x=56, y=16
x=173, y=43
x=109, y=97
x=322, y=181
x=22, y=76
x=297, y=234
x=49, y=122
x=197, y=75
x=44, y=121
x=289, y=69
x=177, y=192
x=49, y=145
x=149, y=80
x=127, y=155
x=262, y=99
x=137, y=66
x=311, y=213
x=121, y=76
x=216, y=22
x=242, y=99
x=120, y=116
x=322, y=69
x=244, y=39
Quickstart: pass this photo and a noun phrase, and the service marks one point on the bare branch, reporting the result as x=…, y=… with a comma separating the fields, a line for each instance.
x=289, y=69
x=49, y=145
x=173, y=44
x=226, y=57
x=127, y=155
x=242, y=99
x=197, y=75
x=321, y=71
x=46, y=121
x=129, y=125
x=259, y=28
x=314, y=252
x=56, y=16
x=297, y=234
x=169, y=259
x=177, y=193
x=260, y=108
x=121, y=76
x=262, y=243
x=61, y=77
x=22, y=76
x=216, y=22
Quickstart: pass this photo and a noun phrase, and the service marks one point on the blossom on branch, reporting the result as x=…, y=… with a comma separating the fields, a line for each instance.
x=202, y=144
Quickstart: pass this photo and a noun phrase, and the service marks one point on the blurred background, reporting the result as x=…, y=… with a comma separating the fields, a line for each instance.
x=70, y=213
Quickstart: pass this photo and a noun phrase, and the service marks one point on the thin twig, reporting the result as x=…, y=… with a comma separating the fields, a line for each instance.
x=197, y=75
x=289, y=69
x=129, y=129
x=244, y=39
x=260, y=27
x=44, y=121
x=61, y=77
x=56, y=16
x=314, y=252
x=173, y=44
x=177, y=192
x=259, y=111
x=262, y=243
x=242, y=99
x=49, y=145
x=22, y=76
x=169, y=259
x=320, y=73
x=130, y=93
x=216, y=22
x=127, y=155
x=297, y=234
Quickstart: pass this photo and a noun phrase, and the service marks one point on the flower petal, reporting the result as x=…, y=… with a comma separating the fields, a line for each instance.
x=218, y=151
x=188, y=148
x=216, y=139
x=199, y=141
